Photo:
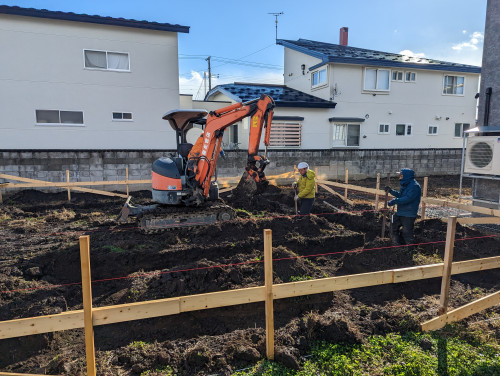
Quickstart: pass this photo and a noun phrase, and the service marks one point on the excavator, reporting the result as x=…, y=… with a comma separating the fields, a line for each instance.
x=184, y=185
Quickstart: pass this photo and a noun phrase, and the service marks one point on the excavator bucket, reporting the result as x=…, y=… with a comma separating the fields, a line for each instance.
x=249, y=187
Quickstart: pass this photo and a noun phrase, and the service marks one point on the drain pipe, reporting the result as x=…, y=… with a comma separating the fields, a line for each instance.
x=488, y=92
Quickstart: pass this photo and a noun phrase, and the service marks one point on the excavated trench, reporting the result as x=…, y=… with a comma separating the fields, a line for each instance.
x=40, y=271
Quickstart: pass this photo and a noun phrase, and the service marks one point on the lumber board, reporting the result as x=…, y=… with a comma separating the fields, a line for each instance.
x=222, y=299
x=353, y=187
x=328, y=189
x=46, y=184
x=318, y=286
x=478, y=220
x=21, y=374
x=462, y=312
x=41, y=324
x=456, y=205
x=99, y=192
x=171, y=306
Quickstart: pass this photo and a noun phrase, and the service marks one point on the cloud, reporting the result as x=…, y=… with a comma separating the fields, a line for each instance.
x=410, y=53
x=475, y=40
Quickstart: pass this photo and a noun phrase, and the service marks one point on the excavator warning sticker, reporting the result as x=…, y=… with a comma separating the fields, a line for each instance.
x=255, y=121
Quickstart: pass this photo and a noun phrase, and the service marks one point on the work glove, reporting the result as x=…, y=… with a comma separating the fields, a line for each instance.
x=294, y=185
x=387, y=189
x=392, y=202
x=296, y=197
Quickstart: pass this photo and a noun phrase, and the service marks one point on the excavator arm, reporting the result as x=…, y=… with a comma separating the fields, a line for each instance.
x=207, y=149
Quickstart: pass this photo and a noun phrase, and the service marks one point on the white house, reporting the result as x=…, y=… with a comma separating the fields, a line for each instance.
x=384, y=100
x=298, y=116
x=75, y=81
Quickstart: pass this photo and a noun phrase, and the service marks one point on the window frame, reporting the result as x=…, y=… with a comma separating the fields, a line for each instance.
x=60, y=123
x=456, y=85
x=410, y=73
x=462, y=130
x=434, y=126
x=319, y=84
x=386, y=125
x=107, y=61
x=345, y=133
x=122, y=119
x=384, y=91
x=406, y=134
x=397, y=72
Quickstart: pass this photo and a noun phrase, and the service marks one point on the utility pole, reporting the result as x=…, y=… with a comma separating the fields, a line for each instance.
x=276, y=21
x=205, y=83
x=209, y=74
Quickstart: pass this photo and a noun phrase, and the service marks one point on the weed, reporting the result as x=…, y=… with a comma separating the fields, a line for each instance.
x=297, y=278
x=139, y=345
x=4, y=217
x=113, y=249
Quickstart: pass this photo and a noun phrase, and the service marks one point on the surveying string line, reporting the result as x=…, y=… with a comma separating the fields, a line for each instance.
x=243, y=263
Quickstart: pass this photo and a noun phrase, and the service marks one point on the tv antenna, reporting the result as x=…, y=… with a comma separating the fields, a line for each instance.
x=276, y=21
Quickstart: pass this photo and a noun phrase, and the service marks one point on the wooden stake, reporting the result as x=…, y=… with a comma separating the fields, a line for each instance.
x=126, y=178
x=1, y=199
x=424, y=194
x=87, y=304
x=377, y=188
x=268, y=274
x=69, y=189
x=448, y=260
x=384, y=217
x=346, y=181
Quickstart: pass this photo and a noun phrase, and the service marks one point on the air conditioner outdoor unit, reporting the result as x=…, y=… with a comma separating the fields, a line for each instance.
x=482, y=155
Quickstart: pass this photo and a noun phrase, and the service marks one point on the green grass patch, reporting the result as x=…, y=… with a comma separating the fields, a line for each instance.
x=412, y=354
x=113, y=249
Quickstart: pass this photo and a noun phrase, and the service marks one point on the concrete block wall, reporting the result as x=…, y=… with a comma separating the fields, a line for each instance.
x=90, y=165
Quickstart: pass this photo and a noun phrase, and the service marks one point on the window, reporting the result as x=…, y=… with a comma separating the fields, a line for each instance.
x=117, y=61
x=410, y=77
x=453, y=85
x=319, y=77
x=122, y=116
x=57, y=117
x=345, y=135
x=285, y=135
x=432, y=130
x=403, y=129
x=383, y=128
x=377, y=79
x=460, y=128
x=397, y=75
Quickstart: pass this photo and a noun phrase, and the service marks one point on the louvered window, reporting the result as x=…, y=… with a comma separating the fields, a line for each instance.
x=286, y=135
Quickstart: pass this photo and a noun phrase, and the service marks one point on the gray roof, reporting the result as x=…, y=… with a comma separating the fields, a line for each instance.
x=283, y=96
x=65, y=16
x=335, y=53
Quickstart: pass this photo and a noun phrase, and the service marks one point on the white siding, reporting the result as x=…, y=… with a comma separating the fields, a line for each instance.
x=417, y=103
x=44, y=69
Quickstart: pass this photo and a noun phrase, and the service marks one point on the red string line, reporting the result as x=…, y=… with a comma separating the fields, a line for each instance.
x=244, y=263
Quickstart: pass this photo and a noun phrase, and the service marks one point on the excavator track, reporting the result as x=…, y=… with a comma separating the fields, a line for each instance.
x=168, y=218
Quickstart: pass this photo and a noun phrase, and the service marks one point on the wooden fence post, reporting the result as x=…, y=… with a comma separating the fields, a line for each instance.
x=424, y=194
x=377, y=187
x=448, y=260
x=87, y=304
x=69, y=189
x=346, y=181
x=268, y=277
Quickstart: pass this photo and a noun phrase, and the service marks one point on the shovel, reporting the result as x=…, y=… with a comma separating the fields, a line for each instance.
x=294, y=198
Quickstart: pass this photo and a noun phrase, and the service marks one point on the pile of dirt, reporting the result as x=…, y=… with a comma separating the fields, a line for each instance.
x=40, y=272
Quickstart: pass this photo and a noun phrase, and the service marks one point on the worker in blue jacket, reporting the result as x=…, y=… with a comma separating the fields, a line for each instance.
x=407, y=199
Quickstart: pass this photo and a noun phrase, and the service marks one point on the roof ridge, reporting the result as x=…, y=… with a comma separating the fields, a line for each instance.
x=83, y=17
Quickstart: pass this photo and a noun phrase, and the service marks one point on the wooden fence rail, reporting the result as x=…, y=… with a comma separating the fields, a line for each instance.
x=88, y=317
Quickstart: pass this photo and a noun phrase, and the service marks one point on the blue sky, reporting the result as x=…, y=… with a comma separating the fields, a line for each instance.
x=240, y=35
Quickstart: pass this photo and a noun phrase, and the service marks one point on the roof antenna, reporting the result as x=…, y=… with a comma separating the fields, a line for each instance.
x=276, y=21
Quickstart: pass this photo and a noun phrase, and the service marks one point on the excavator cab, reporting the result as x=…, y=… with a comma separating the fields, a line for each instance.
x=171, y=175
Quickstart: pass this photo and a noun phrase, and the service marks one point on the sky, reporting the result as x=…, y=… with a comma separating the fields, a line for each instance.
x=240, y=35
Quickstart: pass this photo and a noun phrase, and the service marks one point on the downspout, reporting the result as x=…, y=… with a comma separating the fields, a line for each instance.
x=488, y=92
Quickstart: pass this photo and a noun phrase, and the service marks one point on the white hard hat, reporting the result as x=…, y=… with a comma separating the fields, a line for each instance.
x=303, y=165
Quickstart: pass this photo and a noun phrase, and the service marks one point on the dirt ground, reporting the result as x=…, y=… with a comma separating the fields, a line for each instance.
x=40, y=272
